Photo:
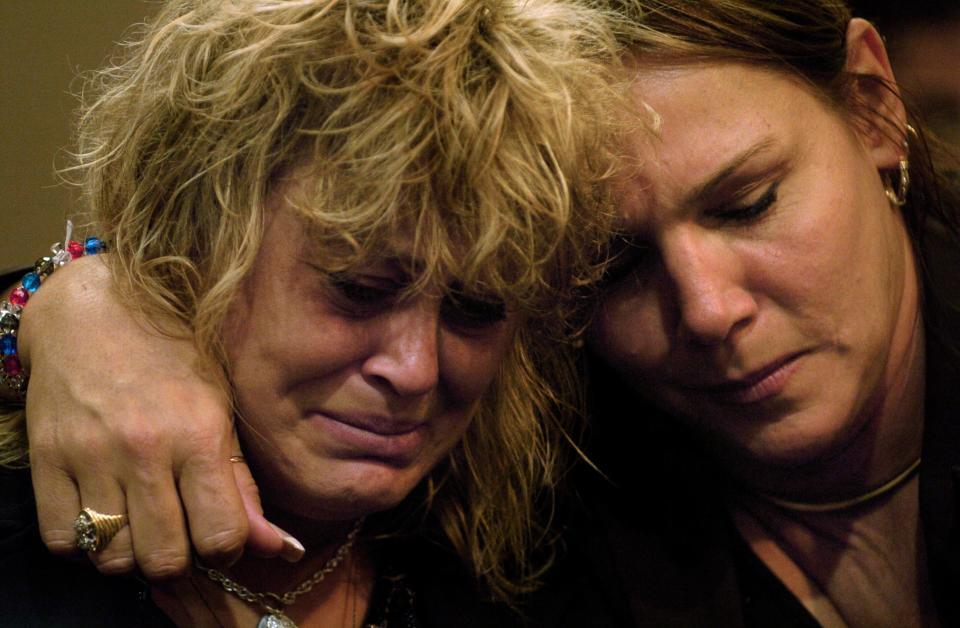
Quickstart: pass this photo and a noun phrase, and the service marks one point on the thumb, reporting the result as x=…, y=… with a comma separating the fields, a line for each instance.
x=265, y=539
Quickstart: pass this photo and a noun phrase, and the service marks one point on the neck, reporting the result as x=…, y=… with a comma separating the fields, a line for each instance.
x=861, y=566
x=862, y=500
x=860, y=560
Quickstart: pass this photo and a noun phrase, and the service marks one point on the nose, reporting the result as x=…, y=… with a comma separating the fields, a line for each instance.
x=406, y=354
x=707, y=275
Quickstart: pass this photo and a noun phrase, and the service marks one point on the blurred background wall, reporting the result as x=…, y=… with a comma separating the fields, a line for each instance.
x=46, y=44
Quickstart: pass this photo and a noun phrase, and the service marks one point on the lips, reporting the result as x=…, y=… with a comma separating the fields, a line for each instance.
x=373, y=436
x=759, y=385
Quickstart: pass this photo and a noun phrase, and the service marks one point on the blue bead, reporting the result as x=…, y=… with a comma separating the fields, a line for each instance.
x=8, y=345
x=92, y=246
x=31, y=281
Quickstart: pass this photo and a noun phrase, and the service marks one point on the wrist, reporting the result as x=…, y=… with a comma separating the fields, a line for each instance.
x=66, y=295
x=14, y=351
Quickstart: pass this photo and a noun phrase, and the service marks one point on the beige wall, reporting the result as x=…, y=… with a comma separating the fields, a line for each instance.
x=44, y=44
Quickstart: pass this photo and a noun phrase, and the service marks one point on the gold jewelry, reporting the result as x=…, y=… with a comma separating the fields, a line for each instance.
x=238, y=459
x=897, y=195
x=274, y=603
x=844, y=504
x=95, y=530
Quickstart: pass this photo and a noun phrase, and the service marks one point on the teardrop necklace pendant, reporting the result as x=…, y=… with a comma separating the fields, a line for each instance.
x=272, y=620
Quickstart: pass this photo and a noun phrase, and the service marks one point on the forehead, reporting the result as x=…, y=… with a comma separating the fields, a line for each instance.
x=327, y=239
x=707, y=115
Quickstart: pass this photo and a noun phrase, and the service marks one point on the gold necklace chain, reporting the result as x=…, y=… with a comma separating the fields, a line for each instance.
x=844, y=504
x=275, y=602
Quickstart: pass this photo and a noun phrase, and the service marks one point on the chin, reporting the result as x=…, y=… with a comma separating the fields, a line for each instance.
x=801, y=439
x=787, y=455
x=346, y=491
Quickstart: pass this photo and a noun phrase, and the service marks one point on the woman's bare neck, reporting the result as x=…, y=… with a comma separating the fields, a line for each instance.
x=863, y=566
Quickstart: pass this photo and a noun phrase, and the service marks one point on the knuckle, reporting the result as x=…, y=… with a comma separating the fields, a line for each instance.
x=200, y=439
x=140, y=439
x=43, y=448
x=164, y=564
x=223, y=546
x=88, y=445
x=198, y=398
x=59, y=541
x=114, y=564
x=60, y=447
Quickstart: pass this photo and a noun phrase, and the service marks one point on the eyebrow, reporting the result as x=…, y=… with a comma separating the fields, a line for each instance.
x=705, y=190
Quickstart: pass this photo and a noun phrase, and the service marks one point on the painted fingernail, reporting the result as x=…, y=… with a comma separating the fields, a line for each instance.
x=292, y=549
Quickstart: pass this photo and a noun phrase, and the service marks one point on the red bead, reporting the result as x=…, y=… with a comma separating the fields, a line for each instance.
x=11, y=365
x=75, y=249
x=19, y=296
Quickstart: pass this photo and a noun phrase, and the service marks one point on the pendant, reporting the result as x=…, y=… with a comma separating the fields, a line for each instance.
x=271, y=620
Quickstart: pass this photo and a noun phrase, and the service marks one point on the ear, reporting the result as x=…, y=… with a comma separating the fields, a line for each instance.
x=880, y=116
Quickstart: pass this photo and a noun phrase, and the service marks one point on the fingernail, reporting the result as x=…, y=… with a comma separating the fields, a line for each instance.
x=292, y=549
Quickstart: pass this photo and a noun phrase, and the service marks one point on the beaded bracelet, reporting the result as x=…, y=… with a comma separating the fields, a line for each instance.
x=11, y=371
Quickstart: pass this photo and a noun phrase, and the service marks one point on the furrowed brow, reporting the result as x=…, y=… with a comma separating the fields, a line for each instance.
x=708, y=188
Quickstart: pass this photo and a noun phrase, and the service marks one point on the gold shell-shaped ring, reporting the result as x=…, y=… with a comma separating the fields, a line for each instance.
x=95, y=530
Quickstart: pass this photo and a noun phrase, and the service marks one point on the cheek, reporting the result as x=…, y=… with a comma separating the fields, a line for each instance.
x=282, y=352
x=822, y=267
x=292, y=345
x=837, y=233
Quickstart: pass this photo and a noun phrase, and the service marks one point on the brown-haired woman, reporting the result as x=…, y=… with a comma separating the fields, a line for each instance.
x=784, y=300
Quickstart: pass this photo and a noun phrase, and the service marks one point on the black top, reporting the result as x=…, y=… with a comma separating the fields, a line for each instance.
x=38, y=589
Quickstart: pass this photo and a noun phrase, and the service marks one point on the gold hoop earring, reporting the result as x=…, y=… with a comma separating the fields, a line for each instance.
x=897, y=194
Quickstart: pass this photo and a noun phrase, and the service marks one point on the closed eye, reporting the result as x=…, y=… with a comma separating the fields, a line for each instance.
x=470, y=313
x=748, y=212
x=362, y=295
x=627, y=255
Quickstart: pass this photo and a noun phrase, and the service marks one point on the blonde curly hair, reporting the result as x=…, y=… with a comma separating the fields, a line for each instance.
x=482, y=128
